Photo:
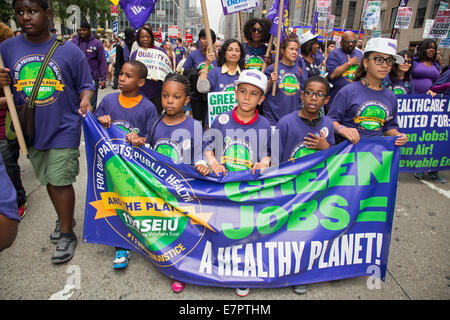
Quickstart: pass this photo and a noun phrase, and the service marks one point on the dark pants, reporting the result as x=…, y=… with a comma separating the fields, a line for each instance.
x=94, y=98
x=199, y=110
x=9, y=150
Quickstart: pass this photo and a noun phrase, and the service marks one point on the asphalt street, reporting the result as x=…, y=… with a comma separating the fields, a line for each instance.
x=418, y=263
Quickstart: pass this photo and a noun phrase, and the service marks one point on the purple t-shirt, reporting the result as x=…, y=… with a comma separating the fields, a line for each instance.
x=293, y=130
x=179, y=52
x=135, y=119
x=181, y=142
x=221, y=81
x=423, y=77
x=57, y=121
x=287, y=94
x=196, y=59
x=254, y=57
x=370, y=111
x=238, y=146
x=8, y=203
x=400, y=86
x=335, y=59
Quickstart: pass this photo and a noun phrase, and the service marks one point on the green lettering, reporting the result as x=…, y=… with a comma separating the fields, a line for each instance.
x=245, y=226
x=234, y=194
x=303, y=217
x=336, y=170
x=367, y=165
x=307, y=181
x=263, y=222
x=327, y=208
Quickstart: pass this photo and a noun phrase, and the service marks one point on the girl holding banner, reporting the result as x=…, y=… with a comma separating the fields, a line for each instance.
x=256, y=32
x=365, y=107
x=157, y=62
x=231, y=62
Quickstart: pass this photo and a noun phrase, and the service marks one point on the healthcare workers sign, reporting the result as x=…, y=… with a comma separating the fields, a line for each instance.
x=426, y=121
x=322, y=217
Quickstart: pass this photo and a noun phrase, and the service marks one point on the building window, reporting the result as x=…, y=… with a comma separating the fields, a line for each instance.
x=394, y=12
x=351, y=14
x=420, y=15
x=338, y=13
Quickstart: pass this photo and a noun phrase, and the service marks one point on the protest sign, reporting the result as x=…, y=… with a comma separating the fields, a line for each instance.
x=427, y=28
x=403, y=18
x=441, y=25
x=233, y=6
x=372, y=15
x=157, y=63
x=220, y=102
x=426, y=121
x=323, y=9
x=325, y=216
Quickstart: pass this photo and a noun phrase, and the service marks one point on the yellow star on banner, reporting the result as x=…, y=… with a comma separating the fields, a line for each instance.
x=200, y=218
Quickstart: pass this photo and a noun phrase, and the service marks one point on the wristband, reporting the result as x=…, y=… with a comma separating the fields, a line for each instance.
x=203, y=162
x=339, y=128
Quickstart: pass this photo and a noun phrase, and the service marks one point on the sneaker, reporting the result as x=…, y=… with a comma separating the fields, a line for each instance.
x=56, y=234
x=177, y=286
x=121, y=258
x=300, y=289
x=23, y=210
x=242, y=292
x=64, y=249
x=434, y=175
x=419, y=175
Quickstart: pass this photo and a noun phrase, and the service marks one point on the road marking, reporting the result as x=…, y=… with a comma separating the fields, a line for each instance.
x=446, y=193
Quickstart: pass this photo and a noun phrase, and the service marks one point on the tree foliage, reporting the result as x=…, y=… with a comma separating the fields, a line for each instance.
x=94, y=11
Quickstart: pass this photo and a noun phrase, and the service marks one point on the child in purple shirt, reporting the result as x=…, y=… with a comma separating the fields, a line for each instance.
x=174, y=134
x=128, y=109
x=365, y=107
x=305, y=131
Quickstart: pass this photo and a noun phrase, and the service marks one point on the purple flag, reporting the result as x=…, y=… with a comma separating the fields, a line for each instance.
x=315, y=25
x=137, y=11
x=273, y=15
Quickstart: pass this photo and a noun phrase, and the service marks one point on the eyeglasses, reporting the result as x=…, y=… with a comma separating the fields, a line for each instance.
x=258, y=30
x=380, y=60
x=408, y=61
x=349, y=41
x=319, y=95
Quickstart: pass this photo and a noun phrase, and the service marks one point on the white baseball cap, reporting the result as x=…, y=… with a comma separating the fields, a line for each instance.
x=305, y=37
x=254, y=77
x=386, y=46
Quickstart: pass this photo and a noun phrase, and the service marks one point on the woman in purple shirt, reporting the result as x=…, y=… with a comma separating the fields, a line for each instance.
x=425, y=70
x=152, y=88
x=231, y=62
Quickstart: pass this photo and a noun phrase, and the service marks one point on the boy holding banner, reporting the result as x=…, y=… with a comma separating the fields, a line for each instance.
x=240, y=139
x=130, y=111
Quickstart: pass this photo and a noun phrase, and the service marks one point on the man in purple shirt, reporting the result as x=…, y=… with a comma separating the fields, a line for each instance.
x=95, y=55
x=342, y=63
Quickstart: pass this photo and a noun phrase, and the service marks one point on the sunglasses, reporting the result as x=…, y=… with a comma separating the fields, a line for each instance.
x=380, y=60
x=319, y=95
x=408, y=61
x=349, y=41
x=258, y=30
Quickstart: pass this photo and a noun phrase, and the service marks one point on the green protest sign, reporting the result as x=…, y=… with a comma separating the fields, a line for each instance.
x=220, y=102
